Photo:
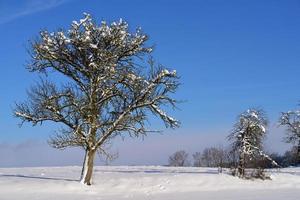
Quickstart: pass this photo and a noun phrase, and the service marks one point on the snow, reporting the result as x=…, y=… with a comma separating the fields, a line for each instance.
x=254, y=115
x=93, y=46
x=151, y=182
x=263, y=128
x=165, y=72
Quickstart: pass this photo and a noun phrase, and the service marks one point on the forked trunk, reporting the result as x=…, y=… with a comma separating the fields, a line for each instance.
x=87, y=169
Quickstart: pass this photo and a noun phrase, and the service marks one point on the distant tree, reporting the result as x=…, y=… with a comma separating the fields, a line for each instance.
x=207, y=158
x=247, y=137
x=290, y=157
x=279, y=159
x=214, y=157
x=291, y=120
x=197, y=156
x=109, y=86
x=221, y=158
x=232, y=157
x=179, y=159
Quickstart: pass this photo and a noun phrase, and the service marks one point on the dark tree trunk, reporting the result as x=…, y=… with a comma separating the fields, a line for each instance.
x=87, y=169
x=298, y=154
x=241, y=166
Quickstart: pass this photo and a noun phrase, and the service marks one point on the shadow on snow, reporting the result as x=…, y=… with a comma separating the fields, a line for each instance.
x=37, y=177
x=159, y=171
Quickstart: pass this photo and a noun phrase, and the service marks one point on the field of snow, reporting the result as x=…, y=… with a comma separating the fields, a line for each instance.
x=151, y=182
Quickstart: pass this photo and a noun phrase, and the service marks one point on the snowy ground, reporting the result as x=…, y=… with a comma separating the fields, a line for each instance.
x=157, y=183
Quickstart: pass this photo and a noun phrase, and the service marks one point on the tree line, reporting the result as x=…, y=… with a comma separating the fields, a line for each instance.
x=219, y=157
x=246, y=149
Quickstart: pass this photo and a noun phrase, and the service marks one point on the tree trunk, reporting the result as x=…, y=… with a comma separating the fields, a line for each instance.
x=87, y=169
x=298, y=154
x=241, y=166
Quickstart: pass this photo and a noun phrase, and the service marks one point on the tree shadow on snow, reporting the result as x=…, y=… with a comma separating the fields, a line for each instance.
x=38, y=177
x=159, y=171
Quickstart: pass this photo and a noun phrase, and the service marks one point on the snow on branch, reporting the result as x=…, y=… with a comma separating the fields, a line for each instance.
x=111, y=83
x=168, y=119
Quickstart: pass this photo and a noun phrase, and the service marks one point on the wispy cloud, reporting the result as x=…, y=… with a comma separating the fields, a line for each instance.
x=16, y=9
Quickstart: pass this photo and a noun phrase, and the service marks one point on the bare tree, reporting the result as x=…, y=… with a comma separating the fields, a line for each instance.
x=207, y=158
x=232, y=157
x=247, y=137
x=197, y=156
x=291, y=120
x=109, y=86
x=214, y=157
x=179, y=159
x=220, y=158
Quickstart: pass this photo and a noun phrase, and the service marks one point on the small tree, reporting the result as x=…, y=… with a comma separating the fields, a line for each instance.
x=291, y=120
x=247, y=136
x=110, y=86
x=179, y=159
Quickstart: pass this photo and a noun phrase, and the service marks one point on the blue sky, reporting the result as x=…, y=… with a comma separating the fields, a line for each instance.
x=230, y=55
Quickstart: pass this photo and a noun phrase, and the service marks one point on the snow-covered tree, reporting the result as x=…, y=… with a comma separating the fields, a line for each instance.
x=291, y=120
x=109, y=86
x=247, y=137
x=179, y=159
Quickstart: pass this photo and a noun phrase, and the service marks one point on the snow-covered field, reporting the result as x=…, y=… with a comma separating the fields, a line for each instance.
x=151, y=182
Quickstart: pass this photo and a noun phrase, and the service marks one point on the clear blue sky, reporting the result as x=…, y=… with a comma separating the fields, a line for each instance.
x=231, y=55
